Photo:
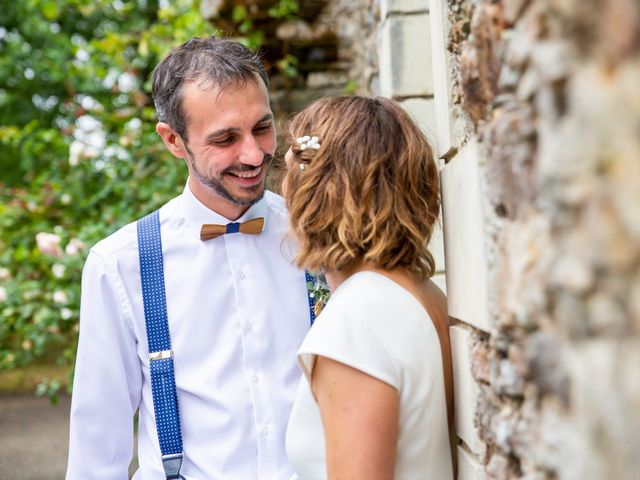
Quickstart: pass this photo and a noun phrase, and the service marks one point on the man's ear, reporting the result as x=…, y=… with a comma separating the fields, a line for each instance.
x=171, y=139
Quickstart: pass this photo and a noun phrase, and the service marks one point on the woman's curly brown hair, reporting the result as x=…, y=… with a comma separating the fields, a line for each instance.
x=369, y=193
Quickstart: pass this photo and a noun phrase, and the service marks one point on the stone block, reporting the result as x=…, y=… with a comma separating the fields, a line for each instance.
x=441, y=75
x=326, y=79
x=469, y=468
x=405, y=57
x=422, y=110
x=464, y=239
x=466, y=390
x=402, y=6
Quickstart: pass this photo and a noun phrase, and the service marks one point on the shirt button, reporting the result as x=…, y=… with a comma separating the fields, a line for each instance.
x=249, y=328
x=255, y=378
x=242, y=275
x=265, y=431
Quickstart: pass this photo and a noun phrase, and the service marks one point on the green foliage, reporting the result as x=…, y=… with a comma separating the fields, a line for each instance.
x=288, y=65
x=253, y=34
x=251, y=37
x=284, y=9
x=351, y=88
x=79, y=156
x=50, y=388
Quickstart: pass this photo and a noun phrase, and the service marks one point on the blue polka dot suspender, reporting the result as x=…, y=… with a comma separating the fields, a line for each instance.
x=163, y=385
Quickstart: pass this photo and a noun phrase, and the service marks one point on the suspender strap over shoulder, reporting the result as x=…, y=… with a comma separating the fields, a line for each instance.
x=163, y=386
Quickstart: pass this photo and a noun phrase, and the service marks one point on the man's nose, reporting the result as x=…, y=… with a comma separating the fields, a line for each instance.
x=251, y=153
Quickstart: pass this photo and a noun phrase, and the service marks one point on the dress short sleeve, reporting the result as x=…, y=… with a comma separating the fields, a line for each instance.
x=348, y=337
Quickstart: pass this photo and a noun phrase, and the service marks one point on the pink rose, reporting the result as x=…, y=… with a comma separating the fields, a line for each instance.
x=49, y=244
x=74, y=247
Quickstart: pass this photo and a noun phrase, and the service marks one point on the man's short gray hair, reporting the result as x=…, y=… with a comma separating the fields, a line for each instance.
x=220, y=62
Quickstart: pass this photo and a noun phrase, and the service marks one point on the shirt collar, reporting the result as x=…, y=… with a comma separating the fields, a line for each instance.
x=196, y=214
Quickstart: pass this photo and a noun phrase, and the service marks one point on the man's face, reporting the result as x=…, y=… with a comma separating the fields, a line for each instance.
x=231, y=141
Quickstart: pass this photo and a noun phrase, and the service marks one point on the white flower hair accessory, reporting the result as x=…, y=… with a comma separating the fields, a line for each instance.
x=308, y=142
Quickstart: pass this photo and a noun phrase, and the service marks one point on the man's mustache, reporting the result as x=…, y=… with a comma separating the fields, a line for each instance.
x=266, y=160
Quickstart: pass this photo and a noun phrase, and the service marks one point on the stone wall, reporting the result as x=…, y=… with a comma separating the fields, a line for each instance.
x=540, y=126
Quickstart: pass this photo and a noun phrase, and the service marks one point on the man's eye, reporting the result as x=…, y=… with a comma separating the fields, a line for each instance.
x=262, y=129
x=223, y=141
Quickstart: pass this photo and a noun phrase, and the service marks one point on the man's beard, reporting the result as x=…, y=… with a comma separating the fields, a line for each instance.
x=216, y=185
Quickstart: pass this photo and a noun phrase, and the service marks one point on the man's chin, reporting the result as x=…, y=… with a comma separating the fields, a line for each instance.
x=245, y=196
x=248, y=201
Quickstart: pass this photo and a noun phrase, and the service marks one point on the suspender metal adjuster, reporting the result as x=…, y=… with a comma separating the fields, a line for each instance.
x=171, y=464
x=161, y=355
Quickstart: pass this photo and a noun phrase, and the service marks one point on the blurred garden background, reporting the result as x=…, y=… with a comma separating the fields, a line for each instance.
x=79, y=156
x=78, y=159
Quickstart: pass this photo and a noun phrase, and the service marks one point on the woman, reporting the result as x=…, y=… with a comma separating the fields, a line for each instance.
x=376, y=398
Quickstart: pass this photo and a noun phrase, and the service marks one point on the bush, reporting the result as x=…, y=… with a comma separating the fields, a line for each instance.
x=79, y=156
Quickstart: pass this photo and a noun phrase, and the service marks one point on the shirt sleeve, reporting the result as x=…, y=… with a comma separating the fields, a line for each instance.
x=348, y=338
x=107, y=382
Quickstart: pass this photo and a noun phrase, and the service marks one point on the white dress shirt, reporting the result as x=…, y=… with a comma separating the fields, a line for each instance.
x=238, y=311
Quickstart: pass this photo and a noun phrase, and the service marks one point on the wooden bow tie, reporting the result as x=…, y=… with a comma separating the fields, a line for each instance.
x=209, y=231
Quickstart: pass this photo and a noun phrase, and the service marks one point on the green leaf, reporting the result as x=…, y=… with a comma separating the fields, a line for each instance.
x=50, y=10
x=239, y=13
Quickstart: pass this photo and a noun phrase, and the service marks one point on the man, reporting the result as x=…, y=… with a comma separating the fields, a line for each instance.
x=237, y=309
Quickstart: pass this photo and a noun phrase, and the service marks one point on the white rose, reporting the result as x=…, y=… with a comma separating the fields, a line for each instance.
x=49, y=244
x=58, y=270
x=60, y=297
x=76, y=149
x=66, y=313
x=4, y=273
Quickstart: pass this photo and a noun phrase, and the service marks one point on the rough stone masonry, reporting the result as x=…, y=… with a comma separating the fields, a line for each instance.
x=551, y=91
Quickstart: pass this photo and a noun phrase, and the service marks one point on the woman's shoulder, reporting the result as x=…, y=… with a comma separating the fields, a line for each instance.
x=375, y=325
x=374, y=292
x=371, y=301
x=351, y=330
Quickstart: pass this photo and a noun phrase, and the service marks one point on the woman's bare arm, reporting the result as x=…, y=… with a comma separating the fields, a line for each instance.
x=360, y=419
